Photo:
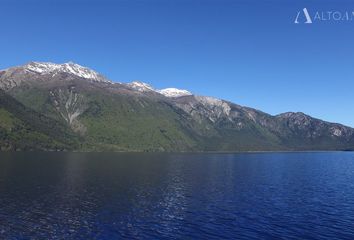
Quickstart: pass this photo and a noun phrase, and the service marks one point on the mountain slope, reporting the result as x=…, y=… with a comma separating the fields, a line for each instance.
x=303, y=132
x=108, y=116
x=24, y=129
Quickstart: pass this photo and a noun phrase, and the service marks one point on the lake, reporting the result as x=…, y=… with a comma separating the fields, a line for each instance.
x=177, y=196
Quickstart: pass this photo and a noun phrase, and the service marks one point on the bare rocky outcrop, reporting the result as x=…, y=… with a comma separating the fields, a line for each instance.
x=70, y=105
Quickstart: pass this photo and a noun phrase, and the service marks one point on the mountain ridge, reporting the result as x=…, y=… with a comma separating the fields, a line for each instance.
x=137, y=117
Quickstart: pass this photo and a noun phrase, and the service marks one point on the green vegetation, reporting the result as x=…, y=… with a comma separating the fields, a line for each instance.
x=38, y=117
x=24, y=129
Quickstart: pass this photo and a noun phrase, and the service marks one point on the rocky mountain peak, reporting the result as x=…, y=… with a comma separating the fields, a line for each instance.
x=292, y=114
x=140, y=86
x=167, y=92
x=69, y=67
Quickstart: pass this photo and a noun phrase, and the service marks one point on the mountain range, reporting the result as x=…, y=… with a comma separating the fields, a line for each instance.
x=68, y=107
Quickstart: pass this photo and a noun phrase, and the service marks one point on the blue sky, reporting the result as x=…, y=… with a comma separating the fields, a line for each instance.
x=249, y=52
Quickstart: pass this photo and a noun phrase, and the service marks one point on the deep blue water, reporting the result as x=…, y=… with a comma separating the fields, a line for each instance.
x=177, y=196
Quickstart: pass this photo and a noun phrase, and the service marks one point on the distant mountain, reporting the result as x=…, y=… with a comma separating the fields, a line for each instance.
x=66, y=106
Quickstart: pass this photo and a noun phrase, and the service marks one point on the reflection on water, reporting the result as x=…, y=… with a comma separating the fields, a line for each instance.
x=212, y=196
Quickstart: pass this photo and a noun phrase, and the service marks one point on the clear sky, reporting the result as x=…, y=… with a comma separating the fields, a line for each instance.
x=249, y=52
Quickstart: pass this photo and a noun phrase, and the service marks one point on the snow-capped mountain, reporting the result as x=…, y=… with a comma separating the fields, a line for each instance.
x=46, y=71
x=174, y=92
x=15, y=76
x=167, y=92
x=70, y=68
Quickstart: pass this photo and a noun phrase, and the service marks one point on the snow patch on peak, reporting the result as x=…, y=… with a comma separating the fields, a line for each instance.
x=174, y=92
x=141, y=86
x=41, y=67
x=70, y=67
x=167, y=92
x=80, y=71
